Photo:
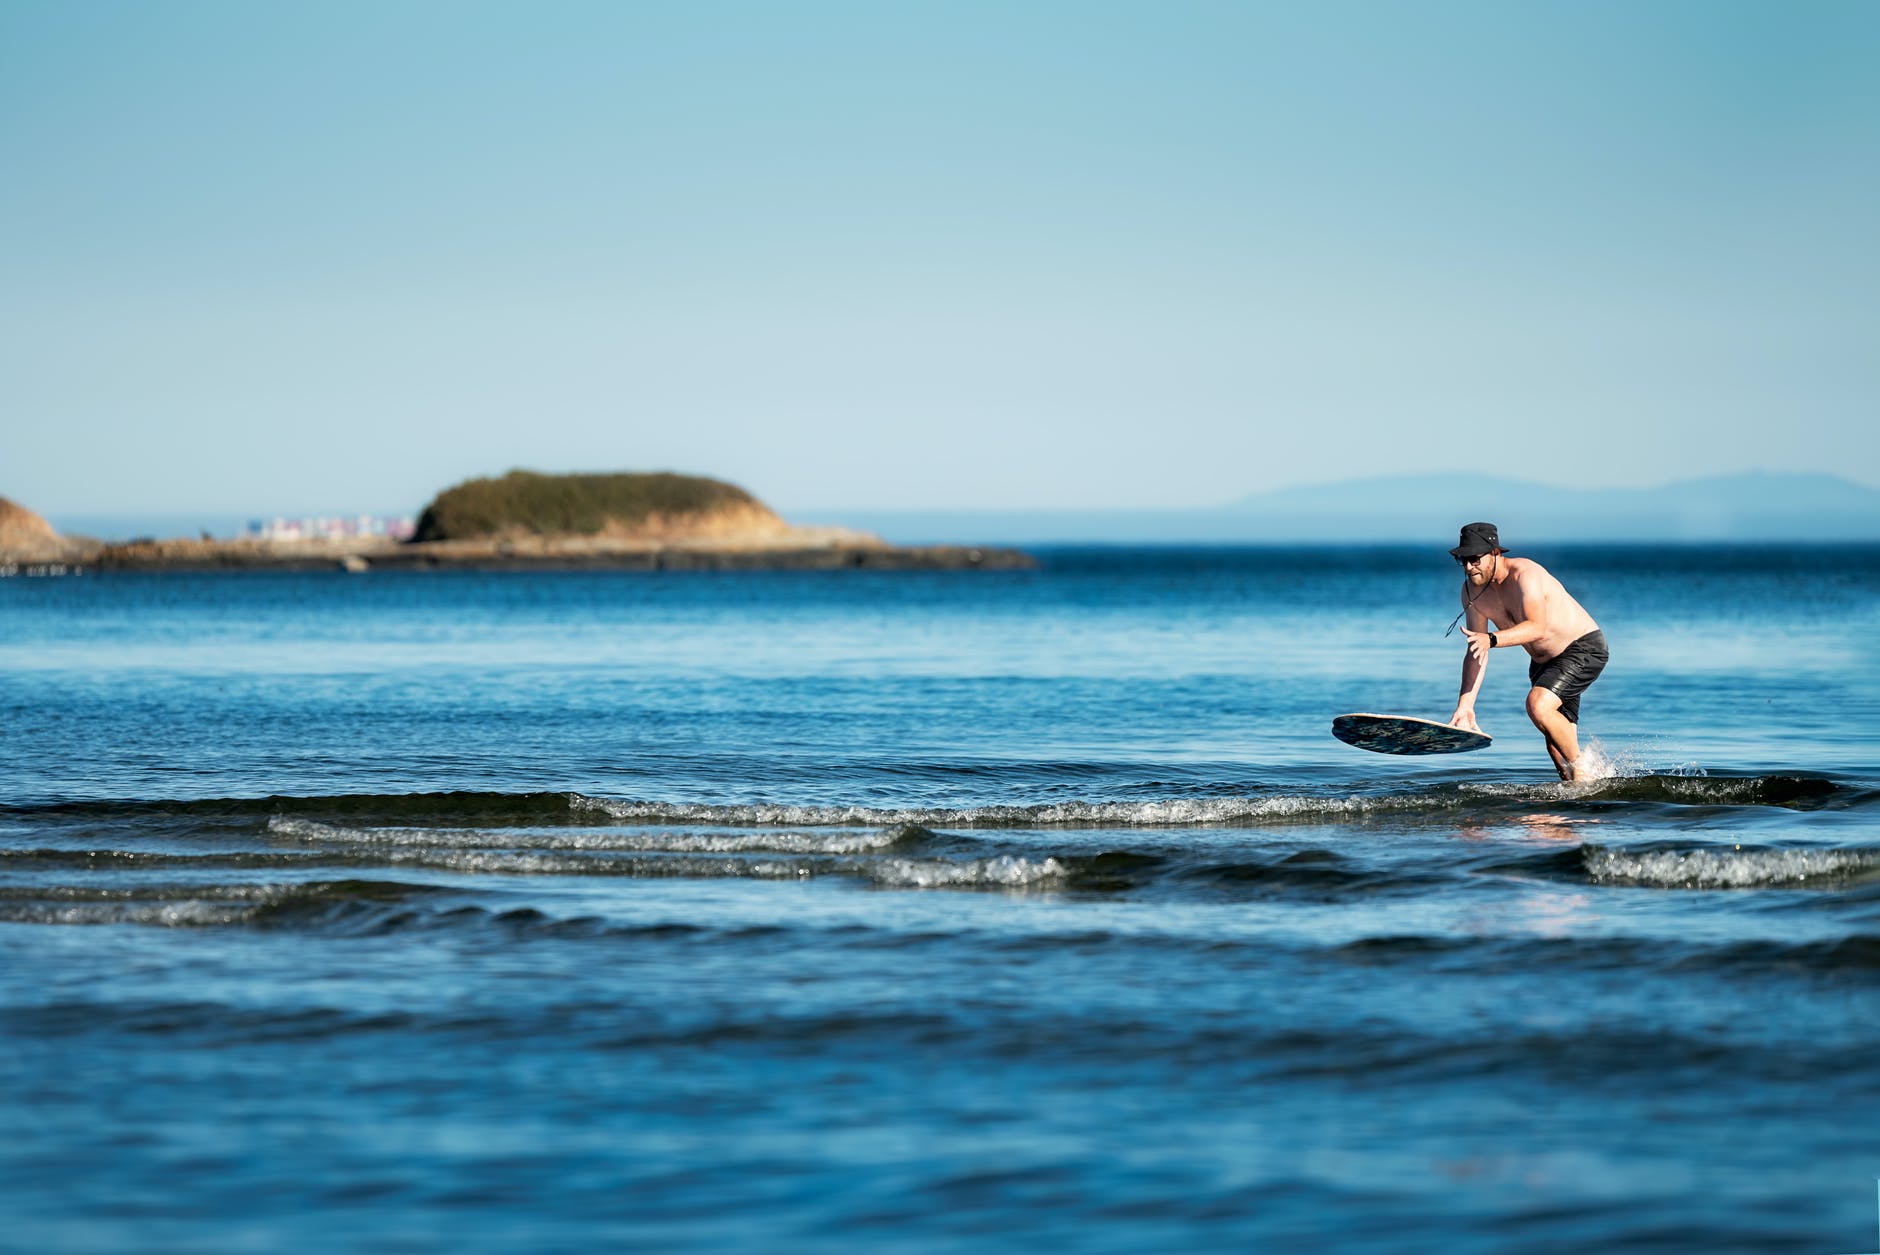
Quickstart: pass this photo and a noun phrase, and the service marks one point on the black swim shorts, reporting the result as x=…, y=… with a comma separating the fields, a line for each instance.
x=1568, y=672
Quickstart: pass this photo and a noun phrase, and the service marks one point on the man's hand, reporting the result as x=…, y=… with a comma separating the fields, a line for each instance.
x=1478, y=646
x=1464, y=718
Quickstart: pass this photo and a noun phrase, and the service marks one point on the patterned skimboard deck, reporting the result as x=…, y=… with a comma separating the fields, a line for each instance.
x=1405, y=734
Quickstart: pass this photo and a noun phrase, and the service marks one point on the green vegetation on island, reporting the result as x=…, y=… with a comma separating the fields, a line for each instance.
x=529, y=503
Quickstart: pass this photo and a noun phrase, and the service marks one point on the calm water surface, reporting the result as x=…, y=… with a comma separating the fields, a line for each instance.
x=935, y=912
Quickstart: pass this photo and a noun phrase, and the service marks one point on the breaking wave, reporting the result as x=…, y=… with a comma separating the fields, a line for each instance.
x=385, y=813
x=1732, y=868
x=1793, y=792
x=845, y=842
x=206, y=906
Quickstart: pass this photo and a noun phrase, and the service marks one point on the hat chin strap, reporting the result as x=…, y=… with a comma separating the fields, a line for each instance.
x=1469, y=604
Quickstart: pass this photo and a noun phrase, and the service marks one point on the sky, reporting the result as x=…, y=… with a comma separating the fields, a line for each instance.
x=274, y=258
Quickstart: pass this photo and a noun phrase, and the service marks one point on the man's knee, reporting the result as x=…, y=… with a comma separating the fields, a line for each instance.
x=1542, y=703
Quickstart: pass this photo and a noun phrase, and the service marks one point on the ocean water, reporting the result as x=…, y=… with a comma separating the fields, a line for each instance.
x=935, y=912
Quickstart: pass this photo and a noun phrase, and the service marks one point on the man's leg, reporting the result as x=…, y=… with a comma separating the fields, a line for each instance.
x=1563, y=739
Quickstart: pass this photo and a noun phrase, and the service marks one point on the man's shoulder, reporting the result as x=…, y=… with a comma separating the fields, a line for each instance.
x=1521, y=567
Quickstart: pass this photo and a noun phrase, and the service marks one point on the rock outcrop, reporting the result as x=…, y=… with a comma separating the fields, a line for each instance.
x=628, y=506
x=26, y=537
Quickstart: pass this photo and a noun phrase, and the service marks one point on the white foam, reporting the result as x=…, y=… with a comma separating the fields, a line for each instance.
x=1004, y=872
x=1001, y=872
x=468, y=851
x=310, y=830
x=610, y=839
x=213, y=908
x=766, y=843
x=491, y=862
x=648, y=867
x=1729, y=869
x=1176, y=812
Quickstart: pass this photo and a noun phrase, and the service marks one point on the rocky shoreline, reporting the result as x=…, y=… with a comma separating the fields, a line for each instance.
x=780, y=553
x=738, y=535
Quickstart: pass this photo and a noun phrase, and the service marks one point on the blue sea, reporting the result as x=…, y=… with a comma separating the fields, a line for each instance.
x=936, y=912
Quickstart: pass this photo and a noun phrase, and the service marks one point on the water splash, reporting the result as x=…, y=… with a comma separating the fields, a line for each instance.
x=1596, y=763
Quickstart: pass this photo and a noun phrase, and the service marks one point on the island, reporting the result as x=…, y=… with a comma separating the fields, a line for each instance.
x=648, y=521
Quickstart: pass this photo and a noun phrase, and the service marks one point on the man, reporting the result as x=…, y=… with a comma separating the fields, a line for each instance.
x=1530, y=609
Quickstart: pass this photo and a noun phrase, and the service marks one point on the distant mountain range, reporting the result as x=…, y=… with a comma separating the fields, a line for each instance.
x=1402, y=508
x=1754, y=506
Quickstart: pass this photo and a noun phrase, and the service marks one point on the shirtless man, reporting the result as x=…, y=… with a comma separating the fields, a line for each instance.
x=1532, y=610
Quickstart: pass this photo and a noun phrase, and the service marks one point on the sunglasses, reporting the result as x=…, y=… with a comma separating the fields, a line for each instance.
x=1471, y=561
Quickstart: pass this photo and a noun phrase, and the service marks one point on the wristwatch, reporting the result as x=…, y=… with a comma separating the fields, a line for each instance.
x=1493, y=640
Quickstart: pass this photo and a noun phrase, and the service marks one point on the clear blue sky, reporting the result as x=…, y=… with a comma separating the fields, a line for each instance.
x=260, y=257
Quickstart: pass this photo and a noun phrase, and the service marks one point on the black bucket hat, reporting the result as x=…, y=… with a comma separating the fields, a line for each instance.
x=1477, y=539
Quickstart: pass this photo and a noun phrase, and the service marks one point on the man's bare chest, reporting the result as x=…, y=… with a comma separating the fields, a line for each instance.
x=1504, y=607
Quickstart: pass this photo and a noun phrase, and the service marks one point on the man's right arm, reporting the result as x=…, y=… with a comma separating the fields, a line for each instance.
x=1472, y=669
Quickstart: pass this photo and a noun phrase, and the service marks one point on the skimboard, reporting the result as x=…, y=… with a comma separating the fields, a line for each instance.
x=1406, y=734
